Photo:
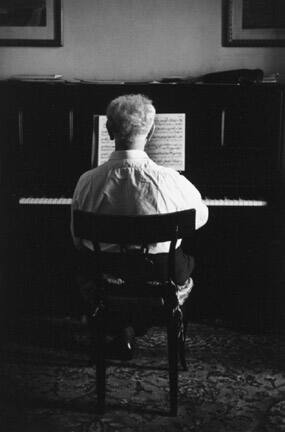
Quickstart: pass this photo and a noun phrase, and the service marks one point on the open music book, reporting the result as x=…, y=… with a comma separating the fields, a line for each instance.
x=166, y=147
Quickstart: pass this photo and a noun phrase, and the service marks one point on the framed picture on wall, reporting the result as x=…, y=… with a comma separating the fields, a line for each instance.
x=30, y=23
x=253, y=23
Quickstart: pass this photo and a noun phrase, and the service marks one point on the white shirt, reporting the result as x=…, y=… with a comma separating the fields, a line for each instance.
x=130, y=183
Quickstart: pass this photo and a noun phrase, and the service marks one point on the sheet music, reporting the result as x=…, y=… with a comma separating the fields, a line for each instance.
x=167, y=146
x=105, y=145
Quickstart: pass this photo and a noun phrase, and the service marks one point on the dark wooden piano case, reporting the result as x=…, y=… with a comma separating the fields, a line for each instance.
x=234, y=155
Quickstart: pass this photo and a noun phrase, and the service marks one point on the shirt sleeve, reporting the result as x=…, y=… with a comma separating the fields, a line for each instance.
x=191, y=198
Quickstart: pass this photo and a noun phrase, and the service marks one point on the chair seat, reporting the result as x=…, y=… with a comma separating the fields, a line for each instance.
x=139, y=303
x=118, y=287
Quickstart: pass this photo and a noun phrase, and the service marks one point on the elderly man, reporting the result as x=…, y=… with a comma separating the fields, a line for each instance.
x=130, y=183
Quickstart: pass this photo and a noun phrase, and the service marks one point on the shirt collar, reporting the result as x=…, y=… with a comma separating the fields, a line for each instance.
x=128, y=154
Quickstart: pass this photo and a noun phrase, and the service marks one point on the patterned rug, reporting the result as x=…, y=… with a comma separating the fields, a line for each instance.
x=235, y=383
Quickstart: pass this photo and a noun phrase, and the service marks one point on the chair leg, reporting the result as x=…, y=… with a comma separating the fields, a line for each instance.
x=181, y=343
x=172, y=338
x=100, y=365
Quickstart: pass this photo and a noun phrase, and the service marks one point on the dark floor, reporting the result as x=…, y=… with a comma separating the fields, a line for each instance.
x=235, y=382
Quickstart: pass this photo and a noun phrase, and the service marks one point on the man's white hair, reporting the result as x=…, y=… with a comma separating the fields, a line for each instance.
x=130, y=116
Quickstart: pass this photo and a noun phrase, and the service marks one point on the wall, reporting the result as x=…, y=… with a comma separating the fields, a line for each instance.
x=139, y=39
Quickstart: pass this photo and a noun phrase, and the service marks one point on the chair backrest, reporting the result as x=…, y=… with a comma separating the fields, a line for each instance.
x=141, y=229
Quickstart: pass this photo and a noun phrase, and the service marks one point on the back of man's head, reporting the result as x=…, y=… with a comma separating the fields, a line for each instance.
x=130, y=116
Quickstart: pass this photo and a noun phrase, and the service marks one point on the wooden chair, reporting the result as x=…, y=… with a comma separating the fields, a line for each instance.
x=142, y=231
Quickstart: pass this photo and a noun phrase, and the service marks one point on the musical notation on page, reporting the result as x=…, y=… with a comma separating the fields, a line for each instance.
x=166, y=147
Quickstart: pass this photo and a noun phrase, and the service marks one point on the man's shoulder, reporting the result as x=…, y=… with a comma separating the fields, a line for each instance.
x=153, y=166
x=171, y=176
x=165, y=171
x=90, y=174
x=88, y=178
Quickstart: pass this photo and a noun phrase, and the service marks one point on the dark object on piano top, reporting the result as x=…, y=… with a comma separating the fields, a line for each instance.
x=236, y=76
x=171, y=80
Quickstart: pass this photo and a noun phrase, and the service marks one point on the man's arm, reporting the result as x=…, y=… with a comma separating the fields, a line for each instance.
x=75, y=206
x=192, y=199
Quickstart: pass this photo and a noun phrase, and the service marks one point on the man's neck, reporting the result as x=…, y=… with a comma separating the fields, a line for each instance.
x=137, y=143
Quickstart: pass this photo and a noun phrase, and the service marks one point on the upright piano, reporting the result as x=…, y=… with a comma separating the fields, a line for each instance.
x=234, y=155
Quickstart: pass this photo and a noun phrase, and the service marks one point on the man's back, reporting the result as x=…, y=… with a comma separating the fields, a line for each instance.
x=130, y=183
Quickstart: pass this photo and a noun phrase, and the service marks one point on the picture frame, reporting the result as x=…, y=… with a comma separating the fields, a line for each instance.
x=253, y=23
x=33, y=23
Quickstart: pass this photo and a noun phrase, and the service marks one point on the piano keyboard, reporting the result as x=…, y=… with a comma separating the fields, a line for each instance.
x=234, y=203
x=45, y=201
x=210, y=202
